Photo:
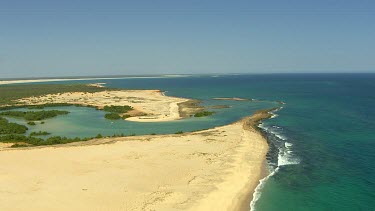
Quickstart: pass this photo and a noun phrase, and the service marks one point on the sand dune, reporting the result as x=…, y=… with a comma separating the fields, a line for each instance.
x=214, y=169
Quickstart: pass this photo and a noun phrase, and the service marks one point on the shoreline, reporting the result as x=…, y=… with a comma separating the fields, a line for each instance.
x=248, y=196
x=252, y=122
x=236, y=185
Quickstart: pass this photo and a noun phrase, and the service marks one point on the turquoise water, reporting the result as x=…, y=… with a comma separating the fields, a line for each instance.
x=322, y=142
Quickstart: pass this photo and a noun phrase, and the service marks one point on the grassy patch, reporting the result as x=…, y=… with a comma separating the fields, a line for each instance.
x=204, y=113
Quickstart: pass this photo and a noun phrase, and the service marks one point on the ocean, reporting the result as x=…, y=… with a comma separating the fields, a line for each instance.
x=322, y=140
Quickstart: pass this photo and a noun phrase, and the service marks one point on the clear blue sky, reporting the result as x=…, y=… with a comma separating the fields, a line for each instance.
x=97, y=37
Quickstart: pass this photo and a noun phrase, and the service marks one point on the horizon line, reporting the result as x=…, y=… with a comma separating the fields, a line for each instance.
x=116, y=76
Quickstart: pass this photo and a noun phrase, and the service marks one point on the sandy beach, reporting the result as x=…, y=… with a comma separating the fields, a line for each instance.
x=215, y=169
x=149, y=105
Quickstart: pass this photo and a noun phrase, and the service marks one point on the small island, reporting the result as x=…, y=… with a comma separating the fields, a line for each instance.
x=204, y=113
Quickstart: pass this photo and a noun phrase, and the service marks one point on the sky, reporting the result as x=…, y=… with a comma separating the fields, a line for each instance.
x=51, y=38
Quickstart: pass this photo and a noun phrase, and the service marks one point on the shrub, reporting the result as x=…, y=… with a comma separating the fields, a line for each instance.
x=125, y=116
x=11, y=128
x=204, y=113
x=112, y=116
x=34, y=115
x=118, y=109
x=40, y=133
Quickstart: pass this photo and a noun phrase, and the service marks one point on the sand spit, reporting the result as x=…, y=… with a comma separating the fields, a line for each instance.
x=99, y=85
x=21, y=81
x=231, y=98
x=215, y=169
x=149, y=105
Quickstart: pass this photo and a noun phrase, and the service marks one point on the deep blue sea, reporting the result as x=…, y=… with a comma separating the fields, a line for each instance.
x=322, y=142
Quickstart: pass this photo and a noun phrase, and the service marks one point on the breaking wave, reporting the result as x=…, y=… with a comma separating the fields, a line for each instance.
x=280, y=154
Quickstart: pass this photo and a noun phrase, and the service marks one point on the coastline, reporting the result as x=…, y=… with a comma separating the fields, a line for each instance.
x=238, y=165
x=248, y=195
x=242, y=163
x=251, y=123
x=21, y=81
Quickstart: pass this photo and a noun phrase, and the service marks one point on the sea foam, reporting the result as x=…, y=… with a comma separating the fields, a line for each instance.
x=257, y=192
x=285, y=155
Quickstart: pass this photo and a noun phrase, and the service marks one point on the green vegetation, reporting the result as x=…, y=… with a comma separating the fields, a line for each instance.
x=115, y=112
x=40, y=133
x=34, y=115
x=31, y=123
x=26, y=141
x=204, y=113
x=10, y=93
x=42, y=106
x=179, y=132
x=11, y=128
x=113, y=116
x=22, y=141
x=118, y=109
x=125, y=116
x=118, y=135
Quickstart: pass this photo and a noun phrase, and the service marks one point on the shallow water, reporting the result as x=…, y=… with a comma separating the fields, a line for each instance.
x=322, y=141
